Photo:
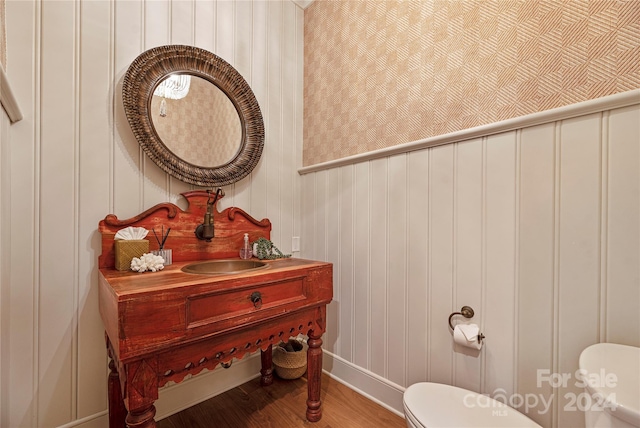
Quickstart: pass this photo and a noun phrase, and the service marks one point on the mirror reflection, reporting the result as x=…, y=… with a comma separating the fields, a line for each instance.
x=196, y=120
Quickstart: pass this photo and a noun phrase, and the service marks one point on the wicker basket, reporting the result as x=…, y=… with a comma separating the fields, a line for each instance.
x=290, y=365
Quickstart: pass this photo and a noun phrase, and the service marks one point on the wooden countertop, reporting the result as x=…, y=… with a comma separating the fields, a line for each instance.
x=149, y=311
x=128, y=284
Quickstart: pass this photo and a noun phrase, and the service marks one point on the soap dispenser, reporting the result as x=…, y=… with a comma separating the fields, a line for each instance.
x=245, y=251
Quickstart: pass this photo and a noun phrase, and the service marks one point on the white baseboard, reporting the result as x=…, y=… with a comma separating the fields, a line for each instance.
x=374, y=387
x=97, y=420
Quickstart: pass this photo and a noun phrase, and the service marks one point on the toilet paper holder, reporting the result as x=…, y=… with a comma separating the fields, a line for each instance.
x=467, y=312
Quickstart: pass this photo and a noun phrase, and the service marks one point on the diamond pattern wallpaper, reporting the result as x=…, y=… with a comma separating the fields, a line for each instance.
x=382, y=73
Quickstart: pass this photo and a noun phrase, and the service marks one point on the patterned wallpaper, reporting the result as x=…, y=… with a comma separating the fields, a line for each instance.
x=382, y=73
x=203, y=128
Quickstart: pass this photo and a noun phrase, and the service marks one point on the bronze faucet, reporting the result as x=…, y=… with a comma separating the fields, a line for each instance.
x=205, y=230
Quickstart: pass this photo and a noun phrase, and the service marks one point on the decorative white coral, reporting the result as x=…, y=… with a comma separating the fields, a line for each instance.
x=147, y=262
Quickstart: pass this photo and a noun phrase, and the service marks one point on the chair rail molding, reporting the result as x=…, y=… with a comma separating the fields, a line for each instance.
x=622, y=99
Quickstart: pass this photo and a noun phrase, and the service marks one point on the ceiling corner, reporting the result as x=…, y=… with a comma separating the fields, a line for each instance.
x=303, y=3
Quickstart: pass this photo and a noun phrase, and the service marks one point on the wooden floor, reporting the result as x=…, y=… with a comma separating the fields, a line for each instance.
x=283, y=405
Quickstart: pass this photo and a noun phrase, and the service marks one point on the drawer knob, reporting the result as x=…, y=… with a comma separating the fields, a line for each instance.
x=256, y=299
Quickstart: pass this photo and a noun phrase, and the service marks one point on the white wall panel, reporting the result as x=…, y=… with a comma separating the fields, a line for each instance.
x=579, y=256
x=127, y=155
x=319, y=240
x=94, y=196
x=154, y=34
x=260, y=180
x=205, y=32
x=74, y=159
x=440, y=298
x=156, y=183
x=23, y=24
x=345, y=269
x=396, y=326
x=225, y=13
x=498, y=311
x=622, y=269
x=469, y=228
x=58, y=279
x=379, y=253
x=287, y=174
x=417, y=266
x=333, y=253
x=309, y=212
x=536, y=264
x=243, y=30
x=182, y=21
x=362, y=263
x=274, y=149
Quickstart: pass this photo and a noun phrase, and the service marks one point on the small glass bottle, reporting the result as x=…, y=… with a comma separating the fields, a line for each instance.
x=245, y=251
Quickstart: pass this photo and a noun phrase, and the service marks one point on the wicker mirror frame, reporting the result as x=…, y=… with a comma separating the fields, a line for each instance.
x=152, y=67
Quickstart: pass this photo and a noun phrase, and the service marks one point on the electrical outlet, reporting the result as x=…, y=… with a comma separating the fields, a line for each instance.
x=295, y=243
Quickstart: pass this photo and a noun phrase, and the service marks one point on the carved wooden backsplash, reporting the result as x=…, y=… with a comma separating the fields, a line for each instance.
x=230, y=226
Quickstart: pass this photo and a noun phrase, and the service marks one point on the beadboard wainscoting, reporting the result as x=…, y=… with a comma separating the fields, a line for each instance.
x=73, y=159
x=536, y=228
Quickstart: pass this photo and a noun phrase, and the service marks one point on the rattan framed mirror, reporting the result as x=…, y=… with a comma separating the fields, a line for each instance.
x=202, y=125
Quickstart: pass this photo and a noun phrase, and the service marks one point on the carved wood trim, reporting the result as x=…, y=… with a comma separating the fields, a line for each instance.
x=230, y=226
x=191, y=360
x=112, y=219
x=231, y=214
x=142, y=383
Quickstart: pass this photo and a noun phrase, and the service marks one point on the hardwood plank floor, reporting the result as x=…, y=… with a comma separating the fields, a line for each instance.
x=283, y=405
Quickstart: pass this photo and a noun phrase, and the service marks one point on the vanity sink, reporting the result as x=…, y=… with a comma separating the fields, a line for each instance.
x=223, y=267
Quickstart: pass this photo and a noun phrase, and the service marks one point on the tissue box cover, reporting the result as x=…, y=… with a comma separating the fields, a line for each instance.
x=126, y=249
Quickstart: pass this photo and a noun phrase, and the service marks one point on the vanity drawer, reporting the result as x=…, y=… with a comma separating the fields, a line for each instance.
x=225, y=305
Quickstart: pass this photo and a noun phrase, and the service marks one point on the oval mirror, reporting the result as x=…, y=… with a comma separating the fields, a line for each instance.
x=193, y=114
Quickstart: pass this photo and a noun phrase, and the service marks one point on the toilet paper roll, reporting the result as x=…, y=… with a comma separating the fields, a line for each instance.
x=467, y=335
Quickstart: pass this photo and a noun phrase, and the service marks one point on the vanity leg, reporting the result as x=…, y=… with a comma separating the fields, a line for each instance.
x=314, y=372
x=267, y=367
x=142, y=418
x=117, y=411
x=141, y=392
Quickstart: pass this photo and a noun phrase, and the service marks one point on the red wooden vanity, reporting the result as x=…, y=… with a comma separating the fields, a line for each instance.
x=162, y=326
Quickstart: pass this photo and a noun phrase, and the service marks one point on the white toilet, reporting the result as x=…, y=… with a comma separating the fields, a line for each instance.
x=430, y=405
x=611, y=374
